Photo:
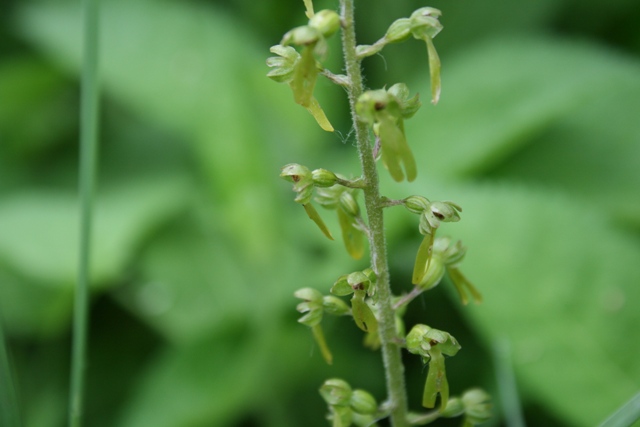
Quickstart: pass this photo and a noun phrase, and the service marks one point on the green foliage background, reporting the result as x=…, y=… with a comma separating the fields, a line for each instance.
x=199, y=247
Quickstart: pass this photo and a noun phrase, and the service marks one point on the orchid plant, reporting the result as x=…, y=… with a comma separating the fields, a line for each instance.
x=378, y=118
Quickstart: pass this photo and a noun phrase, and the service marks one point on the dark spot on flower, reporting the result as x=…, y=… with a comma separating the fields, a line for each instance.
x=379, y=106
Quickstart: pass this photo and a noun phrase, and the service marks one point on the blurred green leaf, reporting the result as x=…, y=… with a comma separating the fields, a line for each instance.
x=38, y=229
x=9, y=405
x=188, y=67
x=201, y=384
x=31, y=308
x=499, y=94
x=560, y=283
x=593, y=153
x=34, y=112
x=626, y=415
x=38, y=245
x=191, y=282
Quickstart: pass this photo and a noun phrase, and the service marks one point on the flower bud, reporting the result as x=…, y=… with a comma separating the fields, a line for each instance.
x=416, y=204
x=425, y=227
x=328, y=197
x=453, y=254
x=424, y=22
x=454, y=408
x=363, y=402
x=325, y=21
x=305, y=193
x=336, y=392
x=477, y=405
x=301, y=36
x=348, y=204
x=398, y=31
x=323, y=178
x=334, y=306
x=433, y=275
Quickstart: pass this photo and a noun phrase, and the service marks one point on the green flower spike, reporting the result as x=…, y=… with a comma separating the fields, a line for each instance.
x=313, y=306
x=425, y=26
x=432, y=345
x=343, y=200
x=384, y=111
x=303, y=184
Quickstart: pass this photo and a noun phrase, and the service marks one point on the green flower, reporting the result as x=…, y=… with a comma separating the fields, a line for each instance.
x=432, y=345
x=303, y=184
x=385, y=111
x=300, y=69
x=312, y=307
x=425, y=26
x=431, y=215
x=447, y=257
x=358, y=284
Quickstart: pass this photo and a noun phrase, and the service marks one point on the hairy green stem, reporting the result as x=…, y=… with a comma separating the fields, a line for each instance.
x=391, y=355
x=88, y=146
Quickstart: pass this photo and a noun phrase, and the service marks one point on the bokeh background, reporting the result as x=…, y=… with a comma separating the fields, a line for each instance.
x=199, y=245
